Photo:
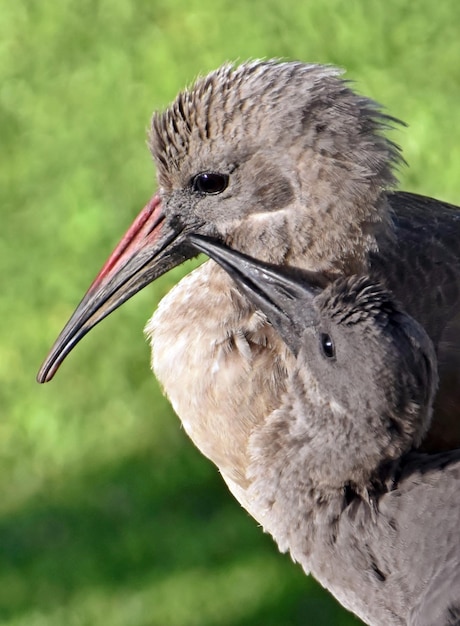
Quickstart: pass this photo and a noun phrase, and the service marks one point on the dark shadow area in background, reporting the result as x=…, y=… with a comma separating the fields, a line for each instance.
x=136, y=522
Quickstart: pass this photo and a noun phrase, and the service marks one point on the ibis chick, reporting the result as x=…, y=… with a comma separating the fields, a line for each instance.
x=333, y=475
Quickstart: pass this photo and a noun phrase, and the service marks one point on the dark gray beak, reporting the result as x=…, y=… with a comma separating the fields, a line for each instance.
x=284, y=295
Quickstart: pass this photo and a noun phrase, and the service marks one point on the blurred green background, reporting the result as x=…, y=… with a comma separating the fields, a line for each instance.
x=108, y=515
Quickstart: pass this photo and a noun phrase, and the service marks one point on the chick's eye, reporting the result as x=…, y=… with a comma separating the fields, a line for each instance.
x=327, y=346
x=210, y=182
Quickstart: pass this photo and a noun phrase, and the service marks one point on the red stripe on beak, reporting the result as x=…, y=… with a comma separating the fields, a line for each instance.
x=148, y=221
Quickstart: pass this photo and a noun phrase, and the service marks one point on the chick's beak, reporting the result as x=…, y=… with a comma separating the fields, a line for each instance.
x=284, y=295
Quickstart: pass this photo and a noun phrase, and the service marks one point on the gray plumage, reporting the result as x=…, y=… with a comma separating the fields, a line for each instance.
x=334, y=476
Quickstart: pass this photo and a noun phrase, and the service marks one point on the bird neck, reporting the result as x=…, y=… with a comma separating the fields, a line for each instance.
x=307, y=465
x=344, y=200
x=330, y=226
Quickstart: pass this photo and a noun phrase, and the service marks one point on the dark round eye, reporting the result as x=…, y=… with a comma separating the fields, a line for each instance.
x=327, y=346
x=210, y=182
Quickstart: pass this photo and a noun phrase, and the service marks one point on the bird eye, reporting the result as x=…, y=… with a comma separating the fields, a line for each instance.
x=210, y=182
x=327, y=346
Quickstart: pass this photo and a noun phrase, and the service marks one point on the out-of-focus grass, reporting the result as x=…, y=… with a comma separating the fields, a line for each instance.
x=108, y=515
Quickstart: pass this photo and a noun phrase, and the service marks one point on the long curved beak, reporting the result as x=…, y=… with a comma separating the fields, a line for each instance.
x=149, y=248
x=284, y=295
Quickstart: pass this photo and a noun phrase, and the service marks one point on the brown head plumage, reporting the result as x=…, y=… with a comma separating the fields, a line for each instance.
x=287, y=135
x=250, y=106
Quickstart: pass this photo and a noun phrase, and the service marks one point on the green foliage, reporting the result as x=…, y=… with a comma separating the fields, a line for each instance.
x=108, y=514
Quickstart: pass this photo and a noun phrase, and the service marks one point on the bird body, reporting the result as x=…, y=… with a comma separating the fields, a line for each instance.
x=403, y=567
x=210, y=355
x=333, y=472
x=419, y=260
x=396, y=566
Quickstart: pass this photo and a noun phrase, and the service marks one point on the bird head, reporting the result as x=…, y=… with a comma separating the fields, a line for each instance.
x=360, y=358
x=282, y=160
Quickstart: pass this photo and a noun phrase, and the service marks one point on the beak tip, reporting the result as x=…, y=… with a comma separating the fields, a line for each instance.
x=46, y=372
x=42, y=377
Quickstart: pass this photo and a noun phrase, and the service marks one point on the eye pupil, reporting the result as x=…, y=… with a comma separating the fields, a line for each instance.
x=210, y=182
x=327, y=346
